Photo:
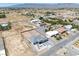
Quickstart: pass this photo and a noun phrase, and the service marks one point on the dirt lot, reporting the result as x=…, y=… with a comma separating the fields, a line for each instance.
x=16, y=45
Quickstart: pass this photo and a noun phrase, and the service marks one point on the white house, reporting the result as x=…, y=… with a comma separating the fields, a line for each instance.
x=37, y=22
x=51, y=33
x=68, y=27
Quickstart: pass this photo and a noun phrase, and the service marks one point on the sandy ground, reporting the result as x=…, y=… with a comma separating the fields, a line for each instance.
x=16, y=45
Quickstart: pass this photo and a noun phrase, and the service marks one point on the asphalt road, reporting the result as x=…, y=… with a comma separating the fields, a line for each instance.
x=1, y=44
x=52, y=51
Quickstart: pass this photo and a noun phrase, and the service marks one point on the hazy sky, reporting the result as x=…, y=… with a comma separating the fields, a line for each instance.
x=7, y=4
x=39, y=1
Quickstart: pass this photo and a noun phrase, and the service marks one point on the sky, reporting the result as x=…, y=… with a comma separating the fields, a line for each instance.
x=4, y=3
x=39, y=1
x=7, y=4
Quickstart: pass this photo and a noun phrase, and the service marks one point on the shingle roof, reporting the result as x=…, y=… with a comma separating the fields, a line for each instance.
x=61, y=29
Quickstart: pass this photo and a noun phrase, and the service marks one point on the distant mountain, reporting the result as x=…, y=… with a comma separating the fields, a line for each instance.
x=46, y=5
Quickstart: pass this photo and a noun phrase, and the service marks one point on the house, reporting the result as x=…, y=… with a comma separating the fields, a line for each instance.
x=51, y=33
x=51, y=16
x=61, y=30
x=68, y=27
x=75, y=21
x=4, y=24
x=36, y=22
x=40, y=43
x=58, y=31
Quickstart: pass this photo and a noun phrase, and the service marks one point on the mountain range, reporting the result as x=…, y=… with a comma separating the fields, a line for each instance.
x=45, y=5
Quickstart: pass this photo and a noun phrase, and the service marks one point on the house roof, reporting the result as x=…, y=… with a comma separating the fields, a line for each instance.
x=68, y=26
x=37, y=38
x=61, y=29
x=40, y=43
x=35, y=20
x=50, y=33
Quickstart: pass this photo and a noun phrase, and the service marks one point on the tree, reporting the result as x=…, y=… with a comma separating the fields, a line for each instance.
x=9, y=25
x=2, y=15
x=70, y=20
x=47, y=13
x=0, y=27
x=5, y=27
x=75, y=26
x=77, y=18
x=46, y=30
x=41, y=18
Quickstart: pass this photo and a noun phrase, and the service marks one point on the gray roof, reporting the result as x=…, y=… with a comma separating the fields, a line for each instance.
x=37, y=38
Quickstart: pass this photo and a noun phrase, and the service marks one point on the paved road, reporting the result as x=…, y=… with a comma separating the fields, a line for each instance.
x=52, y=51
x=1, y=44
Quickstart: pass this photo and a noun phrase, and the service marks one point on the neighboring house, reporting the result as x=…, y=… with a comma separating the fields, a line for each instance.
x=4, y=24
x=51, y=33
x=36, y=22
x=68, y=27
x=61, y=30
x=55, y=32
x=51, y=16
x=40, y=43
x=75, y=21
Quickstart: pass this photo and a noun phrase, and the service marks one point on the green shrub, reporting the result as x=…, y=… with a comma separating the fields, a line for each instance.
x=2, y=15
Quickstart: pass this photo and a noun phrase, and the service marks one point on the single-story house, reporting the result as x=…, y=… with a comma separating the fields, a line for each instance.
x=4, y=24
x=37, y=22
x=39, y=43
x=51, y=33
x=68, y=27
x=61, y=30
